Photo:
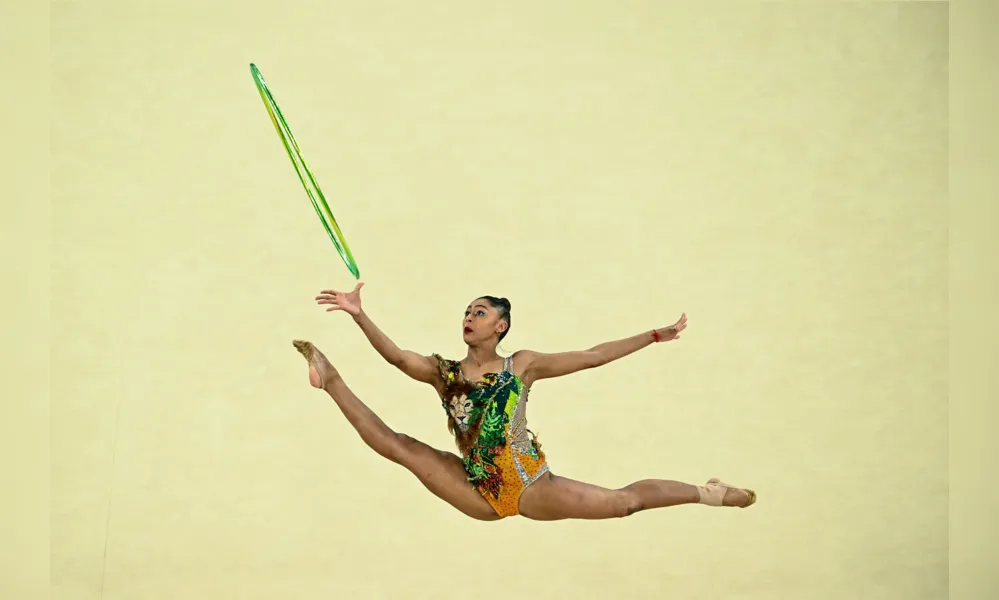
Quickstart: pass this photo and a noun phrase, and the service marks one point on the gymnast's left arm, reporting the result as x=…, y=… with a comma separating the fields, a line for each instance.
x=540, y=365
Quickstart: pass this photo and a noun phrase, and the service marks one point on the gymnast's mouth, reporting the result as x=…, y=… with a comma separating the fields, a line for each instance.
x=468, y=330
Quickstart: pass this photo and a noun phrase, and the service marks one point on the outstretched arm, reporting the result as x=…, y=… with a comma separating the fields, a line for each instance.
x=540, y=365
x=421, y=368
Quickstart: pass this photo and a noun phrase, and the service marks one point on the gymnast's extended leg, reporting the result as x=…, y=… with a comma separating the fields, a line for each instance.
x=554, y=498
x=440, y=472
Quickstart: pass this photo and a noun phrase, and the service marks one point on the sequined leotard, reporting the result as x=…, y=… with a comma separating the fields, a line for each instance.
x=505, y=457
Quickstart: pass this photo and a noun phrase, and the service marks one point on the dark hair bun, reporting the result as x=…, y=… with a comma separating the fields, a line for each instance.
x=505, y=303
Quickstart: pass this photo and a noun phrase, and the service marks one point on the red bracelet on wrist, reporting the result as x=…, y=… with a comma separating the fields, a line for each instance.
x=655, y=335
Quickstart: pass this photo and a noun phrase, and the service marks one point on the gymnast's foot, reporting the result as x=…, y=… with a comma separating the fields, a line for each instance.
x=716, y=493
x=321, y=372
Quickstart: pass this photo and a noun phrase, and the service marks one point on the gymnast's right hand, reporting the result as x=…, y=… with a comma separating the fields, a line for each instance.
x=349, y=302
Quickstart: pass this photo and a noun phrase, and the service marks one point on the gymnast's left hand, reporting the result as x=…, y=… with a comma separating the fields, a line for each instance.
x=673, y=331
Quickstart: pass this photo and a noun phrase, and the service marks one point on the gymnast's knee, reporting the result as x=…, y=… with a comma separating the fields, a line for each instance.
x=400, y=447
x=626, y=504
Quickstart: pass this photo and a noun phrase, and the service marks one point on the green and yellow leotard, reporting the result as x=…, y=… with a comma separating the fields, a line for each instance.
x=501, y=456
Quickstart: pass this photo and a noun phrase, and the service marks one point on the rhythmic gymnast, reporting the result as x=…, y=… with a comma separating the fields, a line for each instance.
x=502, y=471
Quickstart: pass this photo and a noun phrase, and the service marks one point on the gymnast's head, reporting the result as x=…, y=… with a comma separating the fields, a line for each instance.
x=487, y=321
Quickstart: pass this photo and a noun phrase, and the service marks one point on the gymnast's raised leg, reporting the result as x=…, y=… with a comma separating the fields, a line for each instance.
x=440, y=472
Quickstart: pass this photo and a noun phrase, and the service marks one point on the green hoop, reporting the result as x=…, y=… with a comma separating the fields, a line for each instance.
x=322, y=208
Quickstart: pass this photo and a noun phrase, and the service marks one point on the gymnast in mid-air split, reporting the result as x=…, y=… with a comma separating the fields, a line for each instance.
x=501, y=471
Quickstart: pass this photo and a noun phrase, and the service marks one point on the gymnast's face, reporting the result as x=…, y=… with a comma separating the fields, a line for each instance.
x=481, y=322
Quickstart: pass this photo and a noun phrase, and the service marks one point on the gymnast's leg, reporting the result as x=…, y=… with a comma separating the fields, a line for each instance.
x=440, y=472
x=554, y=498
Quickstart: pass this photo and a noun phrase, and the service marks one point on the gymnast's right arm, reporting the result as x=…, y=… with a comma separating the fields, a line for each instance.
x=420, y=368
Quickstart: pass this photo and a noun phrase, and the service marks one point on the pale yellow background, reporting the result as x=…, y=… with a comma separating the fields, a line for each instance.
x=776, y=171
